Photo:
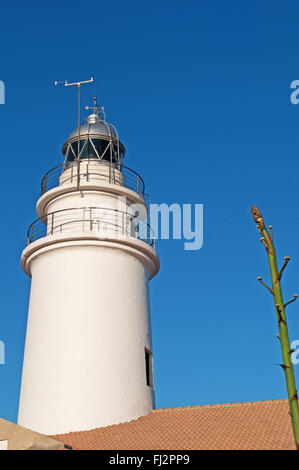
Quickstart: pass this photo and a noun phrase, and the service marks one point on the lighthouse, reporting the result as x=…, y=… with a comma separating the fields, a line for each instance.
x=90, y=254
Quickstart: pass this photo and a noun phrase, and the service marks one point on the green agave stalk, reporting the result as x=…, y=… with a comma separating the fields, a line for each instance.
x=280, y=306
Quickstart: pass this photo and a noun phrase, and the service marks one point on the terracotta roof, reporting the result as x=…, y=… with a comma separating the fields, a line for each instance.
x=252, y=425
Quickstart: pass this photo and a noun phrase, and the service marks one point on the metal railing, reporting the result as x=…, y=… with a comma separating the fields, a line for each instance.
x=92, y=170
x=101, y=221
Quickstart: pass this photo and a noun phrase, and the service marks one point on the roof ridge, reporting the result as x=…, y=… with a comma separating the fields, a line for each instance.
x=216, y=405
x=101, y=427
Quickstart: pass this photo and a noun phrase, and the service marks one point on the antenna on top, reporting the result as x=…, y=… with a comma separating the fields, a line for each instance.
x=78, y=84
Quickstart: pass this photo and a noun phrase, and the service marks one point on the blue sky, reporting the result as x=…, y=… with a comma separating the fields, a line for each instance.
x=200, y=94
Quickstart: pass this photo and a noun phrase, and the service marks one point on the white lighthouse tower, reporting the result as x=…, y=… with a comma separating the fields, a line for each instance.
x=88, y=352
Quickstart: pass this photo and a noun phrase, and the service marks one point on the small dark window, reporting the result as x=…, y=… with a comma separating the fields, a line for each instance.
x=149, y=367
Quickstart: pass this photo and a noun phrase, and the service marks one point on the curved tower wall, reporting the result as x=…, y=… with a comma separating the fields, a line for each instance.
x=88, y=325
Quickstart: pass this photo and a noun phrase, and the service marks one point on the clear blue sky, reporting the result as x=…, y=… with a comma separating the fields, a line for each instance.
x=199, y=91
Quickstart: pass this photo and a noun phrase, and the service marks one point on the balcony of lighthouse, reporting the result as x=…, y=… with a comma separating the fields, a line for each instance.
x=90, y=222
x=101, y=182
x=93, y=172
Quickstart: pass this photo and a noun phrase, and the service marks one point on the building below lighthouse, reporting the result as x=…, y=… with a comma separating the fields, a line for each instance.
x=88, y=358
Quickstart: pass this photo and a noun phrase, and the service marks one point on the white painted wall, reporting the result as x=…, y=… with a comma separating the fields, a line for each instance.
x=88, y=325
x=92, y=171
x=3, y=445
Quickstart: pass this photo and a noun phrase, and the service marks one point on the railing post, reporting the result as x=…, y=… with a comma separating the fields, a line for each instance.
x=138, y=184
x=90, y=219
x=83, y=220
x=78, y=170
x=52, y=223
x=72, y=172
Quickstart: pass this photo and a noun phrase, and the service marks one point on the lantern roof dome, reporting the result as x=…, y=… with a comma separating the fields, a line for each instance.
x=95, y=128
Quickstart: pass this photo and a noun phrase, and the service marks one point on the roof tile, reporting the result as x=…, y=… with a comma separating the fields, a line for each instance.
x=232, y=426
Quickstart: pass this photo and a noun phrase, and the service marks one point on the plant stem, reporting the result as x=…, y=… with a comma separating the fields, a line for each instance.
x=282, y=325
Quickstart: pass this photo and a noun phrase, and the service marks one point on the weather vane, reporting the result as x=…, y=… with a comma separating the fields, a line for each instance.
x=96, y=108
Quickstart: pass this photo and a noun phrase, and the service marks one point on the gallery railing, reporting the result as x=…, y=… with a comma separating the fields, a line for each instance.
x=100, y=221
x=92, y=171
